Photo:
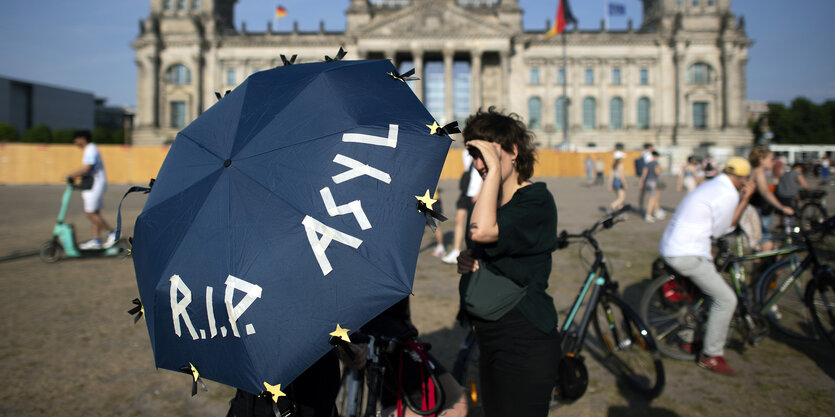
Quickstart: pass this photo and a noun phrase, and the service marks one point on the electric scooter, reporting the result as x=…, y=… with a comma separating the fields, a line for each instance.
x=63, y=237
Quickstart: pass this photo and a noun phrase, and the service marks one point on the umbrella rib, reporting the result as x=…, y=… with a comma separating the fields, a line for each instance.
x=291, y=145
x=201, y=145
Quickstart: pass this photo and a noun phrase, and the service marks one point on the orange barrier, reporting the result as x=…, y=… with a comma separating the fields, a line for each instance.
x=47, y=164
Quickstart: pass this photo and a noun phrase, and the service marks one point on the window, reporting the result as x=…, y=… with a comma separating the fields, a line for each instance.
x=230, y=77
x=589, y=108
x=710, y=3
x=589, y=76
x=616, y=113
x=195, y=5
x=562, y=113
x=644, y=76
x=643, y=113
x=678, y=3
x=616, y=76
x=695, y=3
x=179, y=74
x=460, y=91
x=700, y=115
x=699, y=73
x=561, y=76
x=166, y=5
x=181, y=4
x=535, y=76
x=178, y=114
x=535, y=113
x=434, y=93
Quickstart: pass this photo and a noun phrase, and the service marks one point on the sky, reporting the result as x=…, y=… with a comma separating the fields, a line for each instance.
x=85, y=45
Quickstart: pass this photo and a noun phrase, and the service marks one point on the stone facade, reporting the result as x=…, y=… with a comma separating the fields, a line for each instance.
x=677, y=81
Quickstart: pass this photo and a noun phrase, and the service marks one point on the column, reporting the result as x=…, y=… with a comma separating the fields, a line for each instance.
x=475, y=80
x=197, y=79
x=504, y=56
x=157, y=96
x=448, y=99
x=417, y=58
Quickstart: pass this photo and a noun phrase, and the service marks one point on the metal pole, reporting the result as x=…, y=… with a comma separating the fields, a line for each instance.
x=564, y=144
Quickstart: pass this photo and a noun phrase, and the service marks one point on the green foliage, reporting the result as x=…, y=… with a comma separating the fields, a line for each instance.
x=101, y=135
x=63, y=136
x=804, y=122
x=38, y=134
x=8, y=133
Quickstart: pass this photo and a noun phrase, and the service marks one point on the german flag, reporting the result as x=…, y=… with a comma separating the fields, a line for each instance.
x=280, y=12
x=563, y=18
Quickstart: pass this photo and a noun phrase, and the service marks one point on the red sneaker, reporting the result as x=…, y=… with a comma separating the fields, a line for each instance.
x=716, y=364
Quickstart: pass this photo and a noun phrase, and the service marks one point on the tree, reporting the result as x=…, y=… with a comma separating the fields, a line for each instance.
x=8, y=133
x=38, y=134
x=802, y=122
x=63, y=136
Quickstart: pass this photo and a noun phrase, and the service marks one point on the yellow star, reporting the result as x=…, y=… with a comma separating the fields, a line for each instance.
x=275, y=391
x=341, y=333
x=194, y=373
x=433, y=128
x=426, y=199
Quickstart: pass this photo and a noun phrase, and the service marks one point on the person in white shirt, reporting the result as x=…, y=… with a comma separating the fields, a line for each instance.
x=92, y=165
x=470, y=185
x=709, y=211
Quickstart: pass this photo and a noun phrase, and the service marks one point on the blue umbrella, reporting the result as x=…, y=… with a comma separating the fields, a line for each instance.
x=286, y=211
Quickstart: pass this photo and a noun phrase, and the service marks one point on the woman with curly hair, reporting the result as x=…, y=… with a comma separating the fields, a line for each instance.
x=763, y=200
x=512, y=232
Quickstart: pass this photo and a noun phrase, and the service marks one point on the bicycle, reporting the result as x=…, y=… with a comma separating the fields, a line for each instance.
x=630, y=352
x=361, y=390
x=676, y=310
x=809, y=313
x=812, y=211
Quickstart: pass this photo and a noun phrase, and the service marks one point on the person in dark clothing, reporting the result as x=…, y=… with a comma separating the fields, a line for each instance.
x=512, y=232
x=311, y=394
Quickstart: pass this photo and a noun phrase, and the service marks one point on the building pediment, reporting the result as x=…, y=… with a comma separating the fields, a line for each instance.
x=431, y=18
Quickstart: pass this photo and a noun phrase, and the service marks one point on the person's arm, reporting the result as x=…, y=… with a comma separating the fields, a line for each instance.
x=745, y=196
x=762, y=188
x=802, y=180
x=643, y=177
x=483, y=226
x=80, y=171
x=680, y=179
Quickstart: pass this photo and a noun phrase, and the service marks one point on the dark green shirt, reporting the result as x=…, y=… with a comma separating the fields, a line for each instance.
x=527, y=236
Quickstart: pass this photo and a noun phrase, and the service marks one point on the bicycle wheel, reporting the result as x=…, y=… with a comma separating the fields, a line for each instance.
x=631, y=351
x=468, y=378
x=820, y=296
x=789, y=314
x=812, y=215
x=349, y=400
x=674, y=312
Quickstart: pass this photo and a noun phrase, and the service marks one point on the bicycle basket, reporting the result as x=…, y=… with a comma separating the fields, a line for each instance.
x=572, y=378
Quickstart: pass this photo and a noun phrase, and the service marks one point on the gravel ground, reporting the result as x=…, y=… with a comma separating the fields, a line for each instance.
x=67, y=346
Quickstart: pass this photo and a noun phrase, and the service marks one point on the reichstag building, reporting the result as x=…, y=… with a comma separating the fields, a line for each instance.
x=676, y=81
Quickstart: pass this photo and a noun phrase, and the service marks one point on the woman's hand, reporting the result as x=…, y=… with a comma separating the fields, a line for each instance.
x=490, y=154
x=466, y=263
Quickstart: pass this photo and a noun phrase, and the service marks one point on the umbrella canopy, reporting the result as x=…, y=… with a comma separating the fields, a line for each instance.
x=286, y=209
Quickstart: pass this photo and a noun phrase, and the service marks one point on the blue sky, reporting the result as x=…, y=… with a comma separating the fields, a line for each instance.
x=85, y=45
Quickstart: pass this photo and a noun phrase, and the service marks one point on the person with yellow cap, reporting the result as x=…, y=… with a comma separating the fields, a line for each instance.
x=711, y=210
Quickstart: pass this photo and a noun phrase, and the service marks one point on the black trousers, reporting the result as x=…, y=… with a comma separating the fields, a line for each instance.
x=517, y=366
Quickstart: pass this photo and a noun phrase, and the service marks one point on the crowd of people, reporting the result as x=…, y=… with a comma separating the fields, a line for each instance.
x=505, y=230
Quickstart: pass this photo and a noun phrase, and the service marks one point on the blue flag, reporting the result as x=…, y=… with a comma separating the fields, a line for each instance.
x=617, y=9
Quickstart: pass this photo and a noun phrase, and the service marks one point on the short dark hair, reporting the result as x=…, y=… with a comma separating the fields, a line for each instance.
x=506, y=130
x=655, y=153
x=83, y=134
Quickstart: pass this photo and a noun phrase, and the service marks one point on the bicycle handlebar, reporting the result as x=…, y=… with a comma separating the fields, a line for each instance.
x=607, y=222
